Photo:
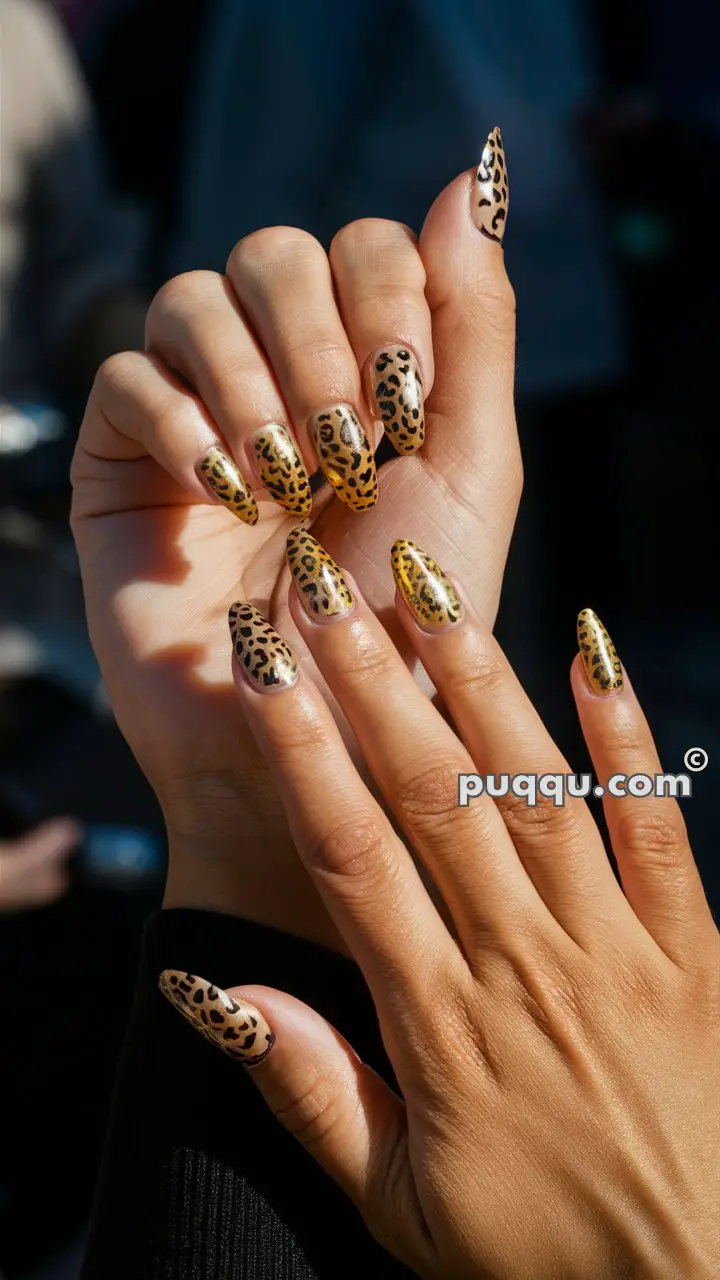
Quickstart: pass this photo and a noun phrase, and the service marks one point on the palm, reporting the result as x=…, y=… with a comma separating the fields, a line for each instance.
x=159, y=581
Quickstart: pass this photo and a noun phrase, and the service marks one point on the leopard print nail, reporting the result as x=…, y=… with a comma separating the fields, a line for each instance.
x=396, y=395
x=238, y=1029
x=490, y=196
x=345, y=456
x=424, y=587
x=281, y=469
x=261, y=652
x=323, y=591
x=602, y=666
x=223, y=479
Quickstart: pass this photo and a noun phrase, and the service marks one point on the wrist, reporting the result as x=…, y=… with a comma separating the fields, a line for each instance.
x=232, y=851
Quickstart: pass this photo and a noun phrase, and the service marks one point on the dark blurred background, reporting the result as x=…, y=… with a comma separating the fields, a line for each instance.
x=144, y=137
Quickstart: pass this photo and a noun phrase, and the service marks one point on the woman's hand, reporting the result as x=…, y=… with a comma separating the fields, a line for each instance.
x=287, y=333
x=555, y=1040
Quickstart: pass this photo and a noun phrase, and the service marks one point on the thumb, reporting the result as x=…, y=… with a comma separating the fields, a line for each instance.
x=472, y=438
x=344, y=1115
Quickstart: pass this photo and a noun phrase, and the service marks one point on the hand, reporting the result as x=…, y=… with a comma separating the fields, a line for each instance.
x=556, y=1041
x=33, y=870
x=282, y=336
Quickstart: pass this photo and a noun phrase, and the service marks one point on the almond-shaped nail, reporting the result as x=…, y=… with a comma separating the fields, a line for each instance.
x=603, y=669
x=264, y=656
x=345, y=456
x=225, y=481
x=281, y=469
x=323, y=591
x=396, y=396
x=237, y=1029
x=426, y=590
x=490, y=196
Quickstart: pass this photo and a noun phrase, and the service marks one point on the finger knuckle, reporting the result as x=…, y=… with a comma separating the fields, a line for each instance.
x=377, y=246
x=430, y=793
x=313, y=1114
x=355, y=851
x=541, y=823
x=271, y=249
x=482, y=675
x=115, y=375
x=654, y=840
x=179, y=295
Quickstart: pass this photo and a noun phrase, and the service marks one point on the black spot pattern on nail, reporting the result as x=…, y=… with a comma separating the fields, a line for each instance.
x=322, y=588
x=426, y=590
x=345, y=456
x=602, y=665
x=223, y=478
x=490, y=191
x=396, y=392
x=281, y=469
x=223, y=1024
x=263, y=653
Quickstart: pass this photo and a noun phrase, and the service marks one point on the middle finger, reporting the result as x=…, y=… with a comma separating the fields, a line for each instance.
x=283, y=280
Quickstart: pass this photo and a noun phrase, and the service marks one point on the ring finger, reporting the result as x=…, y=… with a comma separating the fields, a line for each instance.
x=197, y=328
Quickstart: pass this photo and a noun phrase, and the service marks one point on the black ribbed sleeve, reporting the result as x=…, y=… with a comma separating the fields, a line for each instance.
x=199, y=1181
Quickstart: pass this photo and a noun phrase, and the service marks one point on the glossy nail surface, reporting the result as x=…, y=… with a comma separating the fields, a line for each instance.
x=345, y=455
x=224, y=479
x=490, y=196
x=262, y=653
x=424, y=587
x=281, y=469
x=396, y=396
x=323, y=591
x=602, y=665
x=237, y=1029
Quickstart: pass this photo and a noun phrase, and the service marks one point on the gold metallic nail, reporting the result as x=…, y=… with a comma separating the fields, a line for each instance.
x=323, y=591
x=237, y=1029
x=490, y=196
x=345, y=455
x=602, y=665
x=396, y=396
x=260, y=650
x=224, y=480
x=424, y=587
x=281, y=469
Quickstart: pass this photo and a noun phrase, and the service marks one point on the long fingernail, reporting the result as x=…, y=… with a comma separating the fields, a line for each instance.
x=237, y=1029
x=263, y=655
x=345, y=455
x=426, y=590
x=281, y=469
x=225, y=481
x=396, y=396
x=602, y=666
x=490, y=196
x=323, y=591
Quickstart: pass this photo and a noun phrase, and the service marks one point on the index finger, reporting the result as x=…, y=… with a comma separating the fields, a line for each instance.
x=363, y=872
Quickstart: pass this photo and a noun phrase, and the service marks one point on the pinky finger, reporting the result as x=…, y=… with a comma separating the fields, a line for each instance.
x=139, y=408
x=647, y=831
x=344, y=1115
